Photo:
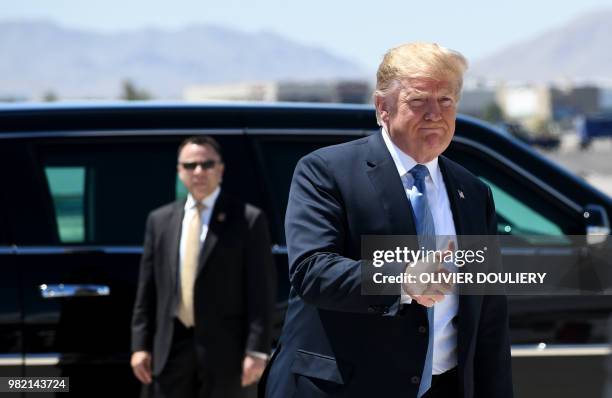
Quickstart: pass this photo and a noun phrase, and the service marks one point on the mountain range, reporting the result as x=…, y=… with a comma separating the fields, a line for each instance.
x=41, y=56
x=580, y=50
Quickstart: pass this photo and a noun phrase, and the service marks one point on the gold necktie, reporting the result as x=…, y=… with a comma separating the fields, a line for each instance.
x=189, y=267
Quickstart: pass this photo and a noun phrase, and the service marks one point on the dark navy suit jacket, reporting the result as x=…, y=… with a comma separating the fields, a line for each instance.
x=337, y=342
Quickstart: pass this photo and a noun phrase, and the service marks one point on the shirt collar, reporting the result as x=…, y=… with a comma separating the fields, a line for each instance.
x=404, y=162
x=208, y=201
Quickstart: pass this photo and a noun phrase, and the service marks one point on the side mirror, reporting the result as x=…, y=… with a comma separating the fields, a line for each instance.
x=597, y=224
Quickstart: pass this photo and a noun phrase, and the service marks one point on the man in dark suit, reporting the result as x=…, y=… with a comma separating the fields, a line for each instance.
x=202, y=319
x=338, y=342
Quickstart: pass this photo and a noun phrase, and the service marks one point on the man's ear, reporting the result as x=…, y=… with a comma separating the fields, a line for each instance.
x=381, y=108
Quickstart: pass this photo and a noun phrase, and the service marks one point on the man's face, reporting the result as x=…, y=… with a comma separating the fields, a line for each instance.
x=200, y=182
x=420, y=116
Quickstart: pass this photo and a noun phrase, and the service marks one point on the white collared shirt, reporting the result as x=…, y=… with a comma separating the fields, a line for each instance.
x=190, y=208
x=445, y=333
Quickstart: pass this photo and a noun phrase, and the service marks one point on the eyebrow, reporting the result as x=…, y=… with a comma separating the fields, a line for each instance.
x=408, y=93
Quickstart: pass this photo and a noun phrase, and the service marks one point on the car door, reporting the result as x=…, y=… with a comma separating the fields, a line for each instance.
x=11, y=331
x=277, y=152
x=559, y=342
x=79, y=220
x=79, y=242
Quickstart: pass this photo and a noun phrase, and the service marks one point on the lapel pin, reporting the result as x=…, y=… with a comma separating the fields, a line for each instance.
x=221, y=217
x=461, y=195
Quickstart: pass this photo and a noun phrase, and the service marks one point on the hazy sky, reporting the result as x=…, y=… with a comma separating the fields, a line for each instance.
x=356, y=29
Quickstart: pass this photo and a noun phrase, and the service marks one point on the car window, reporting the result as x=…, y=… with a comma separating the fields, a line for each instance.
x=4, y=223
x=67, y=186
x=516, y=217
x=523, y=208
x=102, y=190
x=279, y=155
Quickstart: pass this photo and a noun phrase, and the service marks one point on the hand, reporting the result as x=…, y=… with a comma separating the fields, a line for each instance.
x=141, y=366
x=252, y=369
x=431, y=293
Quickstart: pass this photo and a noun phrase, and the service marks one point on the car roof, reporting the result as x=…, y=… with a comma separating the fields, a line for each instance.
x=125, y=118
x=104, y=115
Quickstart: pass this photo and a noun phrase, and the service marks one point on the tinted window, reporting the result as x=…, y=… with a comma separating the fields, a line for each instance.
x=67, y=186
x=523, y=208
x=279, y=155
x=516, y=217
x=100, y=190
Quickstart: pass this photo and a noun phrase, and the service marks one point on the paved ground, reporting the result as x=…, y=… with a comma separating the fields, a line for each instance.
x=593, y=164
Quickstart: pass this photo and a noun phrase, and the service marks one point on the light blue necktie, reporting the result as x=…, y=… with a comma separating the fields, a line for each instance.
x=427, y=238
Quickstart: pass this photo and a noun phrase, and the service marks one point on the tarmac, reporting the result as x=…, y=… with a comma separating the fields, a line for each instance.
x=594, y=164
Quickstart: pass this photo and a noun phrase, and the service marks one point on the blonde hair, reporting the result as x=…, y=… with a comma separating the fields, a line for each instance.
x=419, y=60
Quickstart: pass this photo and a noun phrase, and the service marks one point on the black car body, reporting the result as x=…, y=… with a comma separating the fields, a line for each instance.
x=79, y=180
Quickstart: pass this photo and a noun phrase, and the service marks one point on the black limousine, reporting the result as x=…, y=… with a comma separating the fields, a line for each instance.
x=78, y=181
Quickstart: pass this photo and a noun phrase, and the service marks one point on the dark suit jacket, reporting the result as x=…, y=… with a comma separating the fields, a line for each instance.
x=337, y=342
x=234, y=289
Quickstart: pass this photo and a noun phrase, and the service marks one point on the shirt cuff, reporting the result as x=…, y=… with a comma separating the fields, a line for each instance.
x=405, y=297
x=260, y=355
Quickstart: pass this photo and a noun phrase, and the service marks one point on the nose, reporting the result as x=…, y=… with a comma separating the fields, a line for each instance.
x=433, y=112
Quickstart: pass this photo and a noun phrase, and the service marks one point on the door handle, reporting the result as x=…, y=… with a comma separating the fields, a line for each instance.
x=73, y=290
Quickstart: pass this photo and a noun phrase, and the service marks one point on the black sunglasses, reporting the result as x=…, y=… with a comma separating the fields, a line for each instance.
x=208, y=164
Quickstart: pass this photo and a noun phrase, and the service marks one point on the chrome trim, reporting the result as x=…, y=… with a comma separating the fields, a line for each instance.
x=50, y=359
x=39, y=250
x=279, y=249
x=554, y=350
x=514, y=166
x=124, y=250
x=119, y=132
x=533, y=251
x=8, y=249
x=11, y=360
x=518, y=351
x=73, y=290
x=597, y=231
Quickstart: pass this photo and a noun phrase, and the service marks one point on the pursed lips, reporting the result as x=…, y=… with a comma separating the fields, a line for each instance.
x=432, y=129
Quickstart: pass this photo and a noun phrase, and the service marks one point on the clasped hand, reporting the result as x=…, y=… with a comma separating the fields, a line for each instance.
x=430, y=292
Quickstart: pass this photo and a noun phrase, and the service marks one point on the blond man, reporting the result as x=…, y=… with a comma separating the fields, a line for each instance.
x=338, y=342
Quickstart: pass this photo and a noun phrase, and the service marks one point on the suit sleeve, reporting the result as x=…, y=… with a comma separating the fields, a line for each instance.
x=316, y=232
x=260, y=284
x=143, y=317
x=492, y=361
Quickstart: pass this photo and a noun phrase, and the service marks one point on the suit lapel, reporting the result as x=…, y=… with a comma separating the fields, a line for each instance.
x=387, y=183
x=456, y=196
x=215, y=227
x=175, y=224
x=469, y=305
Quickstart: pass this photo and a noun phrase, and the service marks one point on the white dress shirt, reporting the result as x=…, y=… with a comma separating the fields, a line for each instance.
x=190, y=208
x=445, y=333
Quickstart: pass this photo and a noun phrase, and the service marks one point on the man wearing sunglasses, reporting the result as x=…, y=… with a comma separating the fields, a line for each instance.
x=202, y=318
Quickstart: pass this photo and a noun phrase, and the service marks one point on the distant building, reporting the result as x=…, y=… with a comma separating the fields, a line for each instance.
x=605, y=99
x=573, y=101
x=475, y=101
x=336, y=91
x=534, y=106
x=306, y=92
x=262, y=91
